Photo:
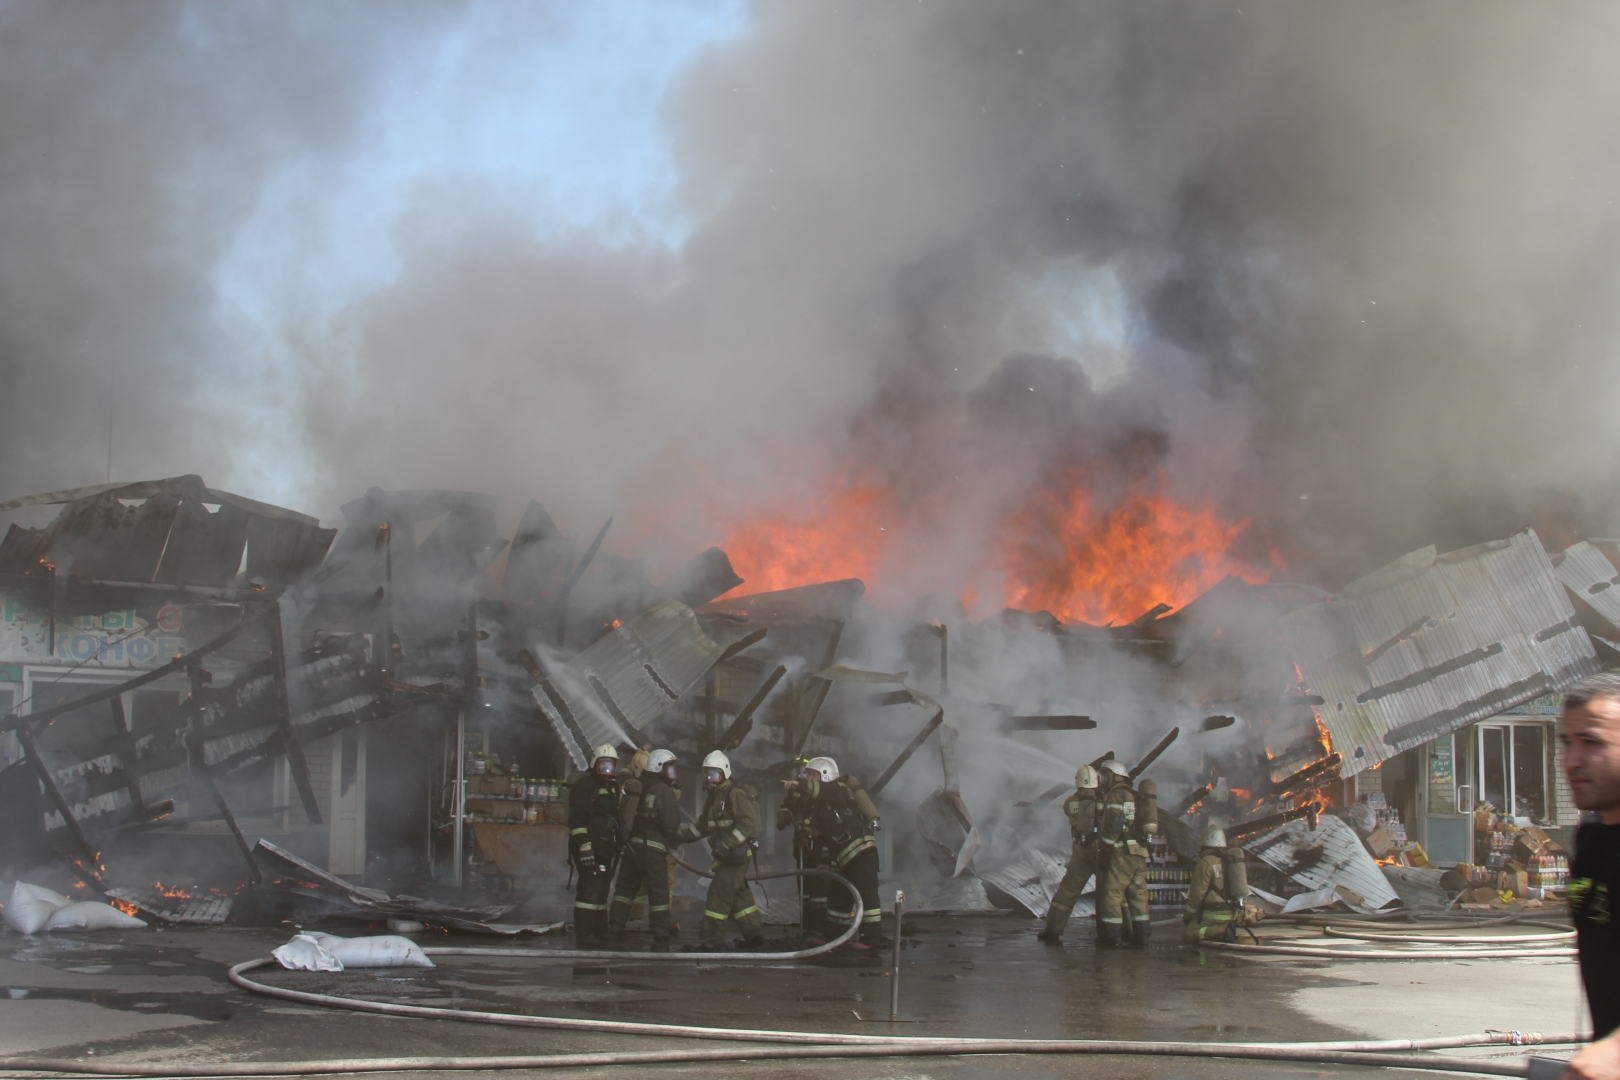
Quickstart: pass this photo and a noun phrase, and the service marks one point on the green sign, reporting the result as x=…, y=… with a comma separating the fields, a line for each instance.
x=1440, y=760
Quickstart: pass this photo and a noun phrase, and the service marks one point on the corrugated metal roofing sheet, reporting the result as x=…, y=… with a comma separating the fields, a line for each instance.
x=625, y=679
x=1432, y=643
x=1585, y=571
x=1331, y=855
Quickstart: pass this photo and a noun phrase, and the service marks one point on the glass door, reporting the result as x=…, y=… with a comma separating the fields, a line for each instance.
x=1513, y=762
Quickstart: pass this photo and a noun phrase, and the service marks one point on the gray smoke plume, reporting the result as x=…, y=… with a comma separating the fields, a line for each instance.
x=1343, y=269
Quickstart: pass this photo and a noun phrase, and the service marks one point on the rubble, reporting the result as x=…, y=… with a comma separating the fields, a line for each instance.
x=278, y=641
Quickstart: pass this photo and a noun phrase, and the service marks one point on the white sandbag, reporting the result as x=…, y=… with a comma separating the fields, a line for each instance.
x=92, y=915
x=31, y=907
x=383, y=951
x=304, y=953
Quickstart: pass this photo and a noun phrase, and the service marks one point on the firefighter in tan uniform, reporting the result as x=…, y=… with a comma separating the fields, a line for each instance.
x=843, y=820
x=809, y=852
x=1215, y=895
x=1128, y=819
x=730, y=820
x=651, y=815
x=1081, y=810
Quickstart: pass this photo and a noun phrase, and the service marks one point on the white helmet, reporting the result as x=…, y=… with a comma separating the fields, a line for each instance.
x=824, y=767
x=719, y=763
x=1085, y=778
x=1114, y=767
x=1214, y=836
x=602, y=753
x=658, y=760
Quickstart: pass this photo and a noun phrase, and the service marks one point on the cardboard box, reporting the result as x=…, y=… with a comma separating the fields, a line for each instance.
x=1380, y=843
x=489, y=785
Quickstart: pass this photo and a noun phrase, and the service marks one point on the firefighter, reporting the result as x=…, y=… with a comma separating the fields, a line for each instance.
x=593, y=842
x=1081, y=810
x=844, y=819
x=730, y=821
x=1128, y=819
x=1215, y=895
x=808, y=852
x=654, y=822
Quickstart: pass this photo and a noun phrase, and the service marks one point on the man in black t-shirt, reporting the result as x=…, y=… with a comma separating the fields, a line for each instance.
x=1589, y=738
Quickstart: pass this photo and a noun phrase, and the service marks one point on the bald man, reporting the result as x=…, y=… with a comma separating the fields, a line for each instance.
x=1589, y=738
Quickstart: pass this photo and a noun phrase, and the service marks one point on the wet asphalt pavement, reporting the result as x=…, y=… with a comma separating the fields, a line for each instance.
x=162, y=997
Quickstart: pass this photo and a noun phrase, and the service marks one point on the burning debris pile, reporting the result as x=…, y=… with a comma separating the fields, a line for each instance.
x=241, y=654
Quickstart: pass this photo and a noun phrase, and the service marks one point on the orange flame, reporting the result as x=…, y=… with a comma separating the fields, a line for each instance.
x=175, y=891
x=844, y=537
x=123, y=905
x=1061, y=552
x=1086, y=565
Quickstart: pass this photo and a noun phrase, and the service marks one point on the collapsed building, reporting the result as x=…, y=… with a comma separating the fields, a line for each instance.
x=209, y=701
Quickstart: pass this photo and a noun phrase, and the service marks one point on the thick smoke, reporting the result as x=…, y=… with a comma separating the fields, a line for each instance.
x=1342, y=268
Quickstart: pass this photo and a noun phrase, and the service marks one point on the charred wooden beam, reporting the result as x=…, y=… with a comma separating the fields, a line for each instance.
x=1048, y=723
x=1153, y=754
x=47, y=780
x=905, y=755
x=297, y=764
x=561, y=604
x=1249, y=828
x=740, y=727
x=821, y=691
x=236, y=830
x=740, y=644
x=1186, y=805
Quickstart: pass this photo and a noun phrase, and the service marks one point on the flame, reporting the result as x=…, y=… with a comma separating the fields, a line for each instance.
x=1085, y=564
x=843, y=537
x=175, y=891
x=1062, y=551
x=123, y=905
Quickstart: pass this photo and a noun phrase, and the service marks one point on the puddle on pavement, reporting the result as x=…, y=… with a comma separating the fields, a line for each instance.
x=198, y=1006
x=89, y=957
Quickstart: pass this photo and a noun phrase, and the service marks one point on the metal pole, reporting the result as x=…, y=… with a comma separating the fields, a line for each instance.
x=894, y=969
x=456, y=854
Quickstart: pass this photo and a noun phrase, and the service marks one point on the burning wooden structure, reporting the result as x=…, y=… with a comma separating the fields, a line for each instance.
x=191, y=665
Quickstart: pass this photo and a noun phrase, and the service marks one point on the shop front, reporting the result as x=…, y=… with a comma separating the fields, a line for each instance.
x=1465, y=796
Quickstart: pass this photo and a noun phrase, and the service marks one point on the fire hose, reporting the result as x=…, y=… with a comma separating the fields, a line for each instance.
x=776, y=1044
x=746, y=957
x=1390, y=954
x=1440, y=939
x=1314, y=1053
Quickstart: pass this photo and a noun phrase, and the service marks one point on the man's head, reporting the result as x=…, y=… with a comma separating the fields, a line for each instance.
x=1589, y=736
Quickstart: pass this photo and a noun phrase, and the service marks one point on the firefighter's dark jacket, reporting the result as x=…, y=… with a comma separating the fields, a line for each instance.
x=594, y=833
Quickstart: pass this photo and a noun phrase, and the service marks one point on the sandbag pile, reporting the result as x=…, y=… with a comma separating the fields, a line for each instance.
x=33, y=908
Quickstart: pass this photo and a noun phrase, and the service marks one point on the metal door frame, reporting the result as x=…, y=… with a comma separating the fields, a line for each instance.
x=1548, y=781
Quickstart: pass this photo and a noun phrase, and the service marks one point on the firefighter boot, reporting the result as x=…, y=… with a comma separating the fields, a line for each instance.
x=1056, y=919
x=1107, y=935
x=1140, y=931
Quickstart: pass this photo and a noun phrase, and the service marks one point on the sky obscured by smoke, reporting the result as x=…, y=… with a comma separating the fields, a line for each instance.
x=1346, y=269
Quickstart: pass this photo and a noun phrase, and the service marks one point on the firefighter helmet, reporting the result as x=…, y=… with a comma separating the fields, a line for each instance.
x=716, y=763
